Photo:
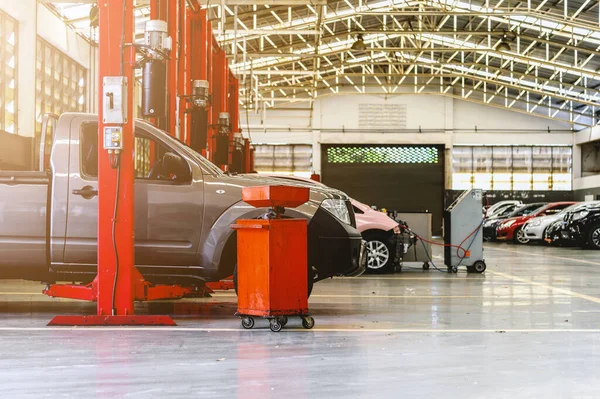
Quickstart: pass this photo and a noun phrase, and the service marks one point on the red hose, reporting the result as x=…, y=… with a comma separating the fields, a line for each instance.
x=458, y=247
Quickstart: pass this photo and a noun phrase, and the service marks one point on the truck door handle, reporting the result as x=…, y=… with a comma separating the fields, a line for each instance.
x=87, y=192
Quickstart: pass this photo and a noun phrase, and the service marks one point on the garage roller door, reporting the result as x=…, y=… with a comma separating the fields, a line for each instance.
x=397, y=177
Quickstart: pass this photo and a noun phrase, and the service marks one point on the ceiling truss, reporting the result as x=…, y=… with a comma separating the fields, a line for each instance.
x=538, y=57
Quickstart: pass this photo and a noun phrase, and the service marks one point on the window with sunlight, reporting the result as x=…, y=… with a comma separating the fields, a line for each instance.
x=512, y=168
x=8, y=73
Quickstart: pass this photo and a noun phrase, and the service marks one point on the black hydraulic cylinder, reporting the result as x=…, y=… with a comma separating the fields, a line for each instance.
x=154, y=89
x=199, y=129
x=221, y=156
x=237, y=161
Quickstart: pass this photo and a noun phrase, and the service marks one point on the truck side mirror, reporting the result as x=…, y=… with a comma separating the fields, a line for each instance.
x=173, y=164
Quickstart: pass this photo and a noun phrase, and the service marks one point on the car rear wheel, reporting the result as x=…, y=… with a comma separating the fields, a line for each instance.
x=594, y=237
x=520, y=236
x=380, y=254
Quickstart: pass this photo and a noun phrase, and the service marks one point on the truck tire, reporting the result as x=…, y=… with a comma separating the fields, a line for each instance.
x=311, y=281
x=380, y=253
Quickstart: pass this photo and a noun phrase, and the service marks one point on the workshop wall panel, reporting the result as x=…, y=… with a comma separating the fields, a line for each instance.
x=406, y=178
x=291, y=159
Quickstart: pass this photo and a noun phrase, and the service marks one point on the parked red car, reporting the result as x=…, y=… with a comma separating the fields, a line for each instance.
x=512, y=229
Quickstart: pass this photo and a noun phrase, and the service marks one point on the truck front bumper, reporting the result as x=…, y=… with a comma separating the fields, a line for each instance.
x=334, y=248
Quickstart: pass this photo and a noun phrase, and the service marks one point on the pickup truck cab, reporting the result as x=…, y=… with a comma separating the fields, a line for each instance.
x=184, y=207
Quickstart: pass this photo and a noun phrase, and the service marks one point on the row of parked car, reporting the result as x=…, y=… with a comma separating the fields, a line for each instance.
x=558, y=223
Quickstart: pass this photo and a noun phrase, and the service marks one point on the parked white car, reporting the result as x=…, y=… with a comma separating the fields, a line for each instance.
x=534, y=228
x=500, y=207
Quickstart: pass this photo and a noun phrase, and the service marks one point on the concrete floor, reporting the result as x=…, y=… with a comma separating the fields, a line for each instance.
x=528, y=328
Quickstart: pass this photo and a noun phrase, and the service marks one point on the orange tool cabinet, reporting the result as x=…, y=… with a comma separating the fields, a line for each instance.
x=273, y=259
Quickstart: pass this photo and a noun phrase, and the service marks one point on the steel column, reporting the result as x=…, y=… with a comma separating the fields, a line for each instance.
x=196, y=67
x=172, y=20
x=183, y=73
x=112, y=187
x=118, y=279
x=208, y=39
x=247, y=161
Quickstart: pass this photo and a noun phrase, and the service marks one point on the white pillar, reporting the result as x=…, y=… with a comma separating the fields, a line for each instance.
x=316, y=123
x=449, y=129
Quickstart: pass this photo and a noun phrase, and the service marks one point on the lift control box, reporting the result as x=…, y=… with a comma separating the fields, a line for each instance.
x=463, y=235
x=114, y=100
x=113, y=138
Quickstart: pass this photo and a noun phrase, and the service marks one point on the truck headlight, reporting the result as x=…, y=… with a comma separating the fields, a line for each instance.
x=337, y=208
x=580, y=215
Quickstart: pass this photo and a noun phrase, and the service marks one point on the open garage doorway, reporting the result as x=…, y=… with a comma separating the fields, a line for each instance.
x=406, y=178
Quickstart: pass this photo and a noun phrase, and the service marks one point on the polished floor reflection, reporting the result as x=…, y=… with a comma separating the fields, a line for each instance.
x=529, y=327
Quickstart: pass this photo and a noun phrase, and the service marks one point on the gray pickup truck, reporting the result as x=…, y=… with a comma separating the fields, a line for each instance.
x=184, y=209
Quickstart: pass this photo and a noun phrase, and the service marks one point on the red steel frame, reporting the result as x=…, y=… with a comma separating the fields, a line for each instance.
x=220, y=91
x=232, y=105
x=204, y=60
x=115, y=304
x=183, y=73
x=173, y=25
x=196, y=59
x=201, y=58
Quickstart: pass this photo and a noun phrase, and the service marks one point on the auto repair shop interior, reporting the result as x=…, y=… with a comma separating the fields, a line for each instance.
x=299, y=198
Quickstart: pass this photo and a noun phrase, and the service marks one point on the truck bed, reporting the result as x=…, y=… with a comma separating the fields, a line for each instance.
x=23, y=220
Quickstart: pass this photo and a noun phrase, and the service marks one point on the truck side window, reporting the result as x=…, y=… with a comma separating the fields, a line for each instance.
x=89, y=149
x=153, y=160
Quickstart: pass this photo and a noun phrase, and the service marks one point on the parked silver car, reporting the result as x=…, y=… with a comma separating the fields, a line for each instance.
x=534, y=228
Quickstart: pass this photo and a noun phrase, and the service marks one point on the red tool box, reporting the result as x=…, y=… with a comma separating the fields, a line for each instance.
x=272, y=259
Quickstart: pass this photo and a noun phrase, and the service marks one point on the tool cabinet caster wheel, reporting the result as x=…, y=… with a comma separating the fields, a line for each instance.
x=308, y=322
x=247, y=322
x=283, y=320
x=478, y=267
x=275, y=325
x=453, y=269
x=426, y=266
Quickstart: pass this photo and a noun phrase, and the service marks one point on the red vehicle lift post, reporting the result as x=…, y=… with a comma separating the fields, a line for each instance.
x=118, y=282
x=183, y=73
x=210, y=76
x=172, y=20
